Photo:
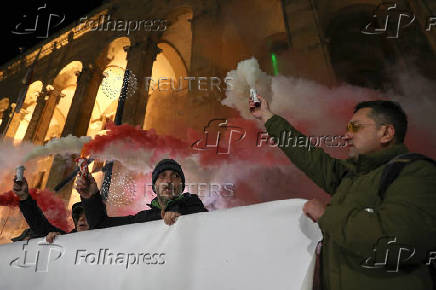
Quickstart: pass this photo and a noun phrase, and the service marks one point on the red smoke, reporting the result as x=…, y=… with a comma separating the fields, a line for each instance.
x=9, y=199
x=236, y=140
x=245, y=149
x=135, y=138
x=53, y=207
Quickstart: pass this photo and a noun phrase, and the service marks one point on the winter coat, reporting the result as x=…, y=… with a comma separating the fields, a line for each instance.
x=95, y=211
x=36, y=220
x=357, y=221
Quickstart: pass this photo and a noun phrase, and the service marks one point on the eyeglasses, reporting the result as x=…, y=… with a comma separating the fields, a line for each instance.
x=355, y=127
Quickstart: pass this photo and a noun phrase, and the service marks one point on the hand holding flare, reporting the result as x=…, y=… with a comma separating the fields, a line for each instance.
x=85, y=182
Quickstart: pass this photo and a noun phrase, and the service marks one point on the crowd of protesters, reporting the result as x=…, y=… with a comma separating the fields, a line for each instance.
x=90, y=213
x=381, y=190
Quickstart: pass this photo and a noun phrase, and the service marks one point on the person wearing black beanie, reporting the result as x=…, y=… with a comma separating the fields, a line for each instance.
x=168, y=164
x=168, y=182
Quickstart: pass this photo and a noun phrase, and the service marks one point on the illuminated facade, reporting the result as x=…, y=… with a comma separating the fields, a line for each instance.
x=313, y=39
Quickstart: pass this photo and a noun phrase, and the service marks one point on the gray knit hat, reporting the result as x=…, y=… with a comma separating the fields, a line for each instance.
x=167, y=164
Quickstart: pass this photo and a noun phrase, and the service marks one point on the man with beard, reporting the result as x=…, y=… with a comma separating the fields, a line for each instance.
x=168, y=183
x=380, y=223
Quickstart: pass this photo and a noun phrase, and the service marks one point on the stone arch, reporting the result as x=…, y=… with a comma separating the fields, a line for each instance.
x=166, y=94
x=332, y=9
x=357, y=58
x=4, y=105
x=174, y=57
x=179, y=33
x=174, y=63
x=20, y=121
x=64, y=86
x=107, y=96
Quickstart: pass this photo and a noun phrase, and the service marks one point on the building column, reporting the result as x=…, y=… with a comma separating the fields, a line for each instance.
x=88, y=83
x=203, y=59
x=13, y=123
x=140, y=57
x=308, y=42
x=5, y=119
x=37, y=113
x=53, y=97
x=205, y=62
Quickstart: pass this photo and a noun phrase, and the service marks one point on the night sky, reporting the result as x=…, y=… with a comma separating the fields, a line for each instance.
x=12, y=14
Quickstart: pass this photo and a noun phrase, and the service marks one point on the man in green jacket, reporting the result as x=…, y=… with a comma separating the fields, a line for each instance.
x=369, y=242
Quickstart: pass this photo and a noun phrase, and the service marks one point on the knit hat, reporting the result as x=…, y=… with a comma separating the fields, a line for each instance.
x=167, y=164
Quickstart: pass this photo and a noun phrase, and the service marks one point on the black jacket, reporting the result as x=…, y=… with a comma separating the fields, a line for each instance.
x=95, y=211
x=36, y=220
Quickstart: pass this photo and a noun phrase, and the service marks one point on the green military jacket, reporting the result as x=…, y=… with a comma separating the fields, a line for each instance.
x=357, y=221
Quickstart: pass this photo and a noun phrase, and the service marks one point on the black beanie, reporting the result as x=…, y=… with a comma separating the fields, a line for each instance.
x=167, y=164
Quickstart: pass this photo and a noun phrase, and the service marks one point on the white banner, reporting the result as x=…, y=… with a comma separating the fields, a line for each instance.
x=264, y=246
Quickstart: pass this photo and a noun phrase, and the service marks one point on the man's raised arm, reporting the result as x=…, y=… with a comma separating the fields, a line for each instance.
x=36, y=220
x=95, y=208
x=323, y=169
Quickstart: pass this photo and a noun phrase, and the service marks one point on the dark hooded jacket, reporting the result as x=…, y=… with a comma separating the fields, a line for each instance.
x=95, y=211
x=36, y=220
x=357, y=218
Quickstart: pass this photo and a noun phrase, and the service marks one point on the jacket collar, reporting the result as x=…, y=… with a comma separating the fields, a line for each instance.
x=368, y=162
x=155, y=202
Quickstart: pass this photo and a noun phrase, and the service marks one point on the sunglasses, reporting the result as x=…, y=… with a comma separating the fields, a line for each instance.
x=355, y=127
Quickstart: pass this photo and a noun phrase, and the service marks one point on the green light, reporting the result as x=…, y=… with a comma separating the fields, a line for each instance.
x=274, y=64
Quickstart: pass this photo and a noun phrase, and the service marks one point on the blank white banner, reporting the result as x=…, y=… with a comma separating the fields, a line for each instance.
x=264, y=246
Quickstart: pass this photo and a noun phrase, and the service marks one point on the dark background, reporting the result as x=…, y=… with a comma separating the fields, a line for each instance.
x=12, y=14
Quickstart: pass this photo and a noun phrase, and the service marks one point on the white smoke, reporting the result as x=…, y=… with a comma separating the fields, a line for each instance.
x=318, y=110
x=246, y=76
x=134, y=160
x=11, y=156
x=65, y=145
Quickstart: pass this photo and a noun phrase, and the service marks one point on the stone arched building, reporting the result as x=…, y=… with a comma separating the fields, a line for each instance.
x=315, y=39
